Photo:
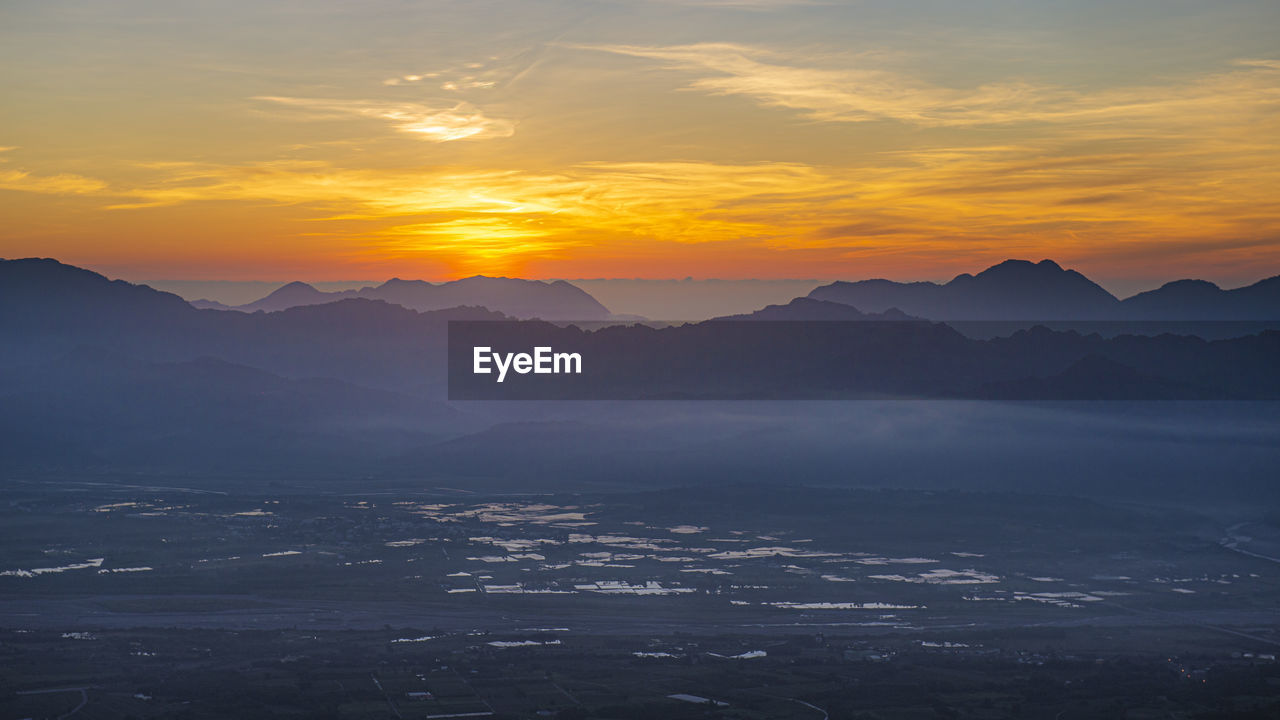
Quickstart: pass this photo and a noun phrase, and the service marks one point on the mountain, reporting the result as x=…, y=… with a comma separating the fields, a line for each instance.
x=804, y=308
x=1202, y=300
x=525, y=299
x=293, y=295
x=101, y=376
x=1012, y=290
x=45, y=295
x=1021, y=290
x=48, y=309
x=206, y=304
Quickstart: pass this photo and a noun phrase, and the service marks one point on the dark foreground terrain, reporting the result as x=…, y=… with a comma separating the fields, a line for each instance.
x=121, y=599
x=550, y=672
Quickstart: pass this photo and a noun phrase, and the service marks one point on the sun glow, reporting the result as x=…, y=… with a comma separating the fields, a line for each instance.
x=566, y=154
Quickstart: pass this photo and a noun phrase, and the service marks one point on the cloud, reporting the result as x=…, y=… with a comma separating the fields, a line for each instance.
x=939, y=200
x=481, y=243
x=470, y=81
x=64, y=184
x=1189, y=167
x=859, y=92
x=460, y=121
x=410, y=79
x=651, y=199
x=850, y=94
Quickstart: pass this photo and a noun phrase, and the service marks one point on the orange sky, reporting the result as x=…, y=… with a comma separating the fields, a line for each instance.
x=1136, y=142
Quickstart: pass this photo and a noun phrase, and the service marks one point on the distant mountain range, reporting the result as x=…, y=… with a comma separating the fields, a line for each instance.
x=98, y=374
x=1022, y=290
x=48, y=309
x=1202, y=300
x=524, y=299
x=809, y=309
x=1014, y=290
x=106, y=376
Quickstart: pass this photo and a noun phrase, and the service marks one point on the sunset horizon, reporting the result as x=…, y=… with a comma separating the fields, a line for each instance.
x=763, y=139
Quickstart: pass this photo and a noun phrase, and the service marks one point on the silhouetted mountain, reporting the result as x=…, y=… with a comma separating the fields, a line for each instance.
x=1012, y=290
x=1043, y=291
x=557, y=300
x=47, y=309
x=102, y=375
x=47, y=296
x=804, y=308
x=1202, y=300
x=293, y=295
x=376, y=344
x=206, y=304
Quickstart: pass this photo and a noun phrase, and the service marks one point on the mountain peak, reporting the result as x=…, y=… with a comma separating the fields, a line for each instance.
x=295, y=286
x=1203, y=300
x=43, y=291
x=396, y=282
x=1010, y=290
x=1024, y=267
x=1189, y=284
x=287, y=295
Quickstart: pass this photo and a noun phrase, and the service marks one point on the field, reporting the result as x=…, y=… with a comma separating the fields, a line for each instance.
x=123, y=600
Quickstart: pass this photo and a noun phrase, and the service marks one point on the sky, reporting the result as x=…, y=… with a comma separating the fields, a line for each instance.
x=1136, y=141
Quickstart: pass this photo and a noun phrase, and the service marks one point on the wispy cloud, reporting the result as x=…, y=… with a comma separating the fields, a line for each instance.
x=1200, y=185
x=461, y=121
x=410, y=79
x=859, y=92
x=476, y=244
x=471, y=76
x=966, y=204
x=63, y=184
x=654, y=200
x=941, y=201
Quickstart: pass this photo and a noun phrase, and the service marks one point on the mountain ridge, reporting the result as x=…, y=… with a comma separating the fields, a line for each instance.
x=1042, y=291
x=517, y=297
x=808, y=309
x=105, y=375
